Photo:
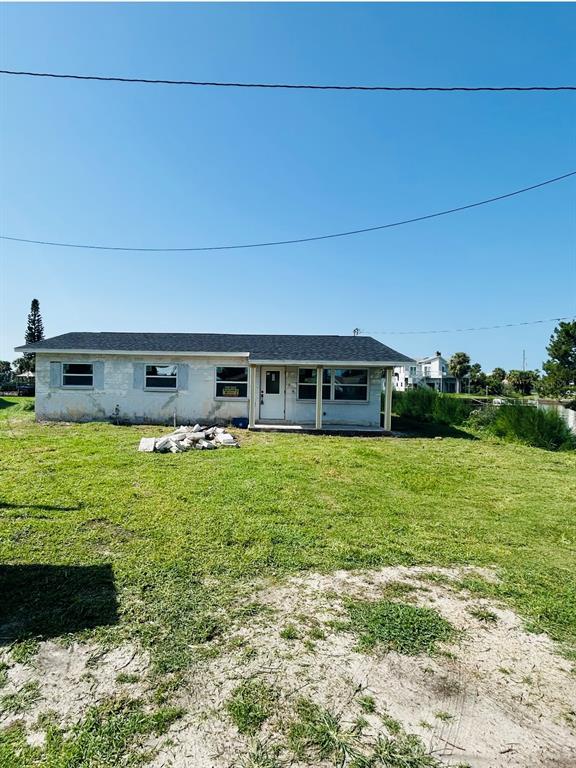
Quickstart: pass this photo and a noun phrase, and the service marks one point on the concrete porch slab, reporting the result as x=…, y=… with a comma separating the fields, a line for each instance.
x=344, y=430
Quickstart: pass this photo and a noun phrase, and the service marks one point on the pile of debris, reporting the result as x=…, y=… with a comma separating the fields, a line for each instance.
x=185, y=438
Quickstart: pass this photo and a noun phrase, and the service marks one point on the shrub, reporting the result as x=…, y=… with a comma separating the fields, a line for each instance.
x=538, y=427
x=425, y=404
x=417, y=404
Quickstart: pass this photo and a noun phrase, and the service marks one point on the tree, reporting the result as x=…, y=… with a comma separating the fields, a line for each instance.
x=560, y=368
x=498, y=374
x=459, y=366
x=477, y=378
x=34, y=333
x=523, y=382
x=5, y=371
x=35, y=327
x=494, y=384
x=24, y=364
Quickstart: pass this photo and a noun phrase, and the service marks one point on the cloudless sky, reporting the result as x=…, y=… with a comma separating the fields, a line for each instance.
x=146, y=166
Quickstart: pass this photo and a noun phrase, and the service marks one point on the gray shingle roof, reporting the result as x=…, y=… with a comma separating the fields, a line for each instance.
x=259, y=346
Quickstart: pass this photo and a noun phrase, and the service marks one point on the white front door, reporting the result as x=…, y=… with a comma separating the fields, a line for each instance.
x=272, y=393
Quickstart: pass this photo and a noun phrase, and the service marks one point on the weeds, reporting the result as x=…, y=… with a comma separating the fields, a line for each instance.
x=317, y=734
x=484, y=615
x=260, y=757
x=126, y=678
x=25, y=650
x=367, y=703
x=17, y=703
x=530, y=425
x=289, y=632
x=104, y=737
x=251, y=704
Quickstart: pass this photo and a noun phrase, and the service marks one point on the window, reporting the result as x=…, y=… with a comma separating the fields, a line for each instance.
x=350, y=384
x=161, y=376
x=231, y=382
x=337, y=384
x=272, y=383
x=77, y=375
x=307, y=384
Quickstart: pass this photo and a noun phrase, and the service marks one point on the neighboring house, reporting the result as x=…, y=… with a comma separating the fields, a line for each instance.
x=189, y=377
x=425, y=372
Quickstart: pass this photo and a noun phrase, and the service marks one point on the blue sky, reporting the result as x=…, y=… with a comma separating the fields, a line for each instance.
x=152, y=166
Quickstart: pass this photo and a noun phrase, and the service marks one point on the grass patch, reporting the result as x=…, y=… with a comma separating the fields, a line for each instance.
x=106, y=735
x=126, y=678
x=261, y=757
x=400, y=627
x=484, y=615
x=367, y=704
x=251, y=704
x=4, y=667
x=176, y=536
x=24, y=651
x=289, y=632
x=317, y=734
x=18, y=702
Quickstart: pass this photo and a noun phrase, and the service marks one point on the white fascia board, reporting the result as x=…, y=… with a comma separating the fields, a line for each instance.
x=331, y=363
x=128, y=352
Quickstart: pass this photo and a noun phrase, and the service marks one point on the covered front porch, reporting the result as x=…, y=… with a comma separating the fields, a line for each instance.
x=330, y=399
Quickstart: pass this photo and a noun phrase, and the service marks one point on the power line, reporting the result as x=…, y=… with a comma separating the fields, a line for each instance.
x=294, y=240
x=465, y=330
x=295, y=86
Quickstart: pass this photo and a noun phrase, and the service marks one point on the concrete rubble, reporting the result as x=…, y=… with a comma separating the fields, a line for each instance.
x=186, y=438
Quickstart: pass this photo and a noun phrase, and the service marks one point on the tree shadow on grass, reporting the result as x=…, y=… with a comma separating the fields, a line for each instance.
x=51, y=600
x=411, y=428
x=6, y=403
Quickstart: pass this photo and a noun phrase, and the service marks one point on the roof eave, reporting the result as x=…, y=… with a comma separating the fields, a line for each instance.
x=139, y=352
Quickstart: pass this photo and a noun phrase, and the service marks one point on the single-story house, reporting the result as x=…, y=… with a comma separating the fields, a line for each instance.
x=214, y=377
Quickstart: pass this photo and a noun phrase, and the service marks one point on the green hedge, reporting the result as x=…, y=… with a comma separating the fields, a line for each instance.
x=428, y=405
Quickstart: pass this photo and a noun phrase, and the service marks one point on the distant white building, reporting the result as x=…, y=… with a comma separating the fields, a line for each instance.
x=425, y=372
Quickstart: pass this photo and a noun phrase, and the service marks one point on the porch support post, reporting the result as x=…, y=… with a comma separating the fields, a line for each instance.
x=252, y=403
x=388, y=401
x=319, y=375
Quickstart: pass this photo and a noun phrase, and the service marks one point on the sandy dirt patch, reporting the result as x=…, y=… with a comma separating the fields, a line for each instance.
x=496, y=697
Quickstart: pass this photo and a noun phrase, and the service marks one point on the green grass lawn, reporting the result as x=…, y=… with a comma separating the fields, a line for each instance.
x=145, y=530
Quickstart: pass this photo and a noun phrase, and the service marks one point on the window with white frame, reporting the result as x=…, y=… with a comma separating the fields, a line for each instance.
x=231, y=381
x=350, y=384
x=338, y=384
x=307, y=384
x=161, y=376
x=77, y=375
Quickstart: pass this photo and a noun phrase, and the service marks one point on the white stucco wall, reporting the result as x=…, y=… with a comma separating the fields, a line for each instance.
x=196, y=403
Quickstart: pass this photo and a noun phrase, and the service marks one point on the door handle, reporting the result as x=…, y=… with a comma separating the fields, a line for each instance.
x=261, y=397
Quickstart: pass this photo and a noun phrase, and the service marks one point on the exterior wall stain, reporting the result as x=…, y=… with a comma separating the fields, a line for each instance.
x=196, y=403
